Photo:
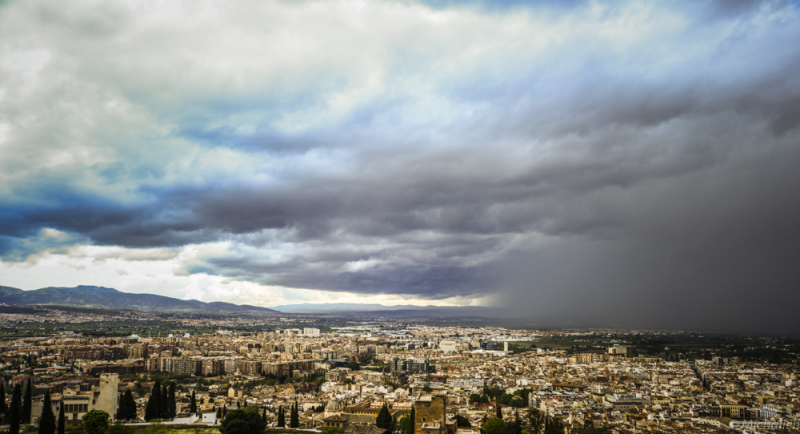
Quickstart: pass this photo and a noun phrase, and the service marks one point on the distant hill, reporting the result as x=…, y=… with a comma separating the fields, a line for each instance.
x=99, y=297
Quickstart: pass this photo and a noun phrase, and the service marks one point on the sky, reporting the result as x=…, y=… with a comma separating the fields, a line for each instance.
x=621, y=163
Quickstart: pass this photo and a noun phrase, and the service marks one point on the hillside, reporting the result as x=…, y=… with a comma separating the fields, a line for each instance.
x=109, y=298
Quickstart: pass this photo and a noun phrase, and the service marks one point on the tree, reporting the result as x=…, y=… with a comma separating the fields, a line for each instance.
x=193, y=404
x=95, y=422
x=281, y=418
x=554, y=426
x=264, y=416
x=536, y=420
x=405, y=425
x=474, y=398
x=219, y=413
x=494, y=426
x=243, y=421
x=152, y=410
x=171, y=405
x=27, y=403
x=294, y=422
x=518, y=402
x=513, y=427
x=384, y=419
x=462, y=422
x=3, y=405
x=163, y=403
x=127, y=407
x=498, y=411
x=47, y=421
x=61, y=420
x=15, y=411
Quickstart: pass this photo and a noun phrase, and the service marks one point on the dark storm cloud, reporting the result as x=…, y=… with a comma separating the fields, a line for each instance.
x=556, y=157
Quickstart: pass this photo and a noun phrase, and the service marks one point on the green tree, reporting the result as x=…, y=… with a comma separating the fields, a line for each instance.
x=47, y=421
x=243, y=421
x=554, y=426
x=193, y=404
x=535, y=420
x=3, y=404
x=405, y=425
x=518, y=402
x=171, y=405
x=15, y=411
x=513, y=427
x=384, y=419
x=95, y=422
x=494, y=426
x=413, y=419
x=163, y=403
x=264, y=416
x=497, y=411
x=281, y=418
x=127, y=406
x=219, y=413
x=152, y=410
x=462, y=422
x=474, y=398
x=61, y=420
x=27, y=403
x=294, y=421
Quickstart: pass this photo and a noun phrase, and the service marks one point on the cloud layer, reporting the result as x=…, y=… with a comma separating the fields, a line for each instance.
x=623, y=163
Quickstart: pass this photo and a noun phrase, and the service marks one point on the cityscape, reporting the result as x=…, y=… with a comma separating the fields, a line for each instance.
x=340, y=372
x=399, y=216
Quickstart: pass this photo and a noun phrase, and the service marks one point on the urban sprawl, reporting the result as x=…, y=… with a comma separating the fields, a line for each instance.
x=376, y=376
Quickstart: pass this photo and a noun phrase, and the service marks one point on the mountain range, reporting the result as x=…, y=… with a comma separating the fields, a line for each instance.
x=109, y=298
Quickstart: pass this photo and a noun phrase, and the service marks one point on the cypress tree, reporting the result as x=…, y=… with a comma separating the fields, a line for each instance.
x=152, y=409
x=120, y=406
x=219, y=413
x=130, y=406
x=224, y=410
x=3, y=405
x=281, y=419
x=498, y=412
x=171, y=405
x=295, y=419
x=193, y=404
x=47, y=421
x=27, y=403
x=163, y=403
x=384, y=419
x=15, y=411
x=61, y=421
x=264, y=416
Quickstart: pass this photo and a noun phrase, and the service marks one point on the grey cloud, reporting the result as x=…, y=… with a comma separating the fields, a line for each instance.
x=655, y=180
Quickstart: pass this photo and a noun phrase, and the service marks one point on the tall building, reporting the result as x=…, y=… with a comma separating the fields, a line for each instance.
x=310, y=332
